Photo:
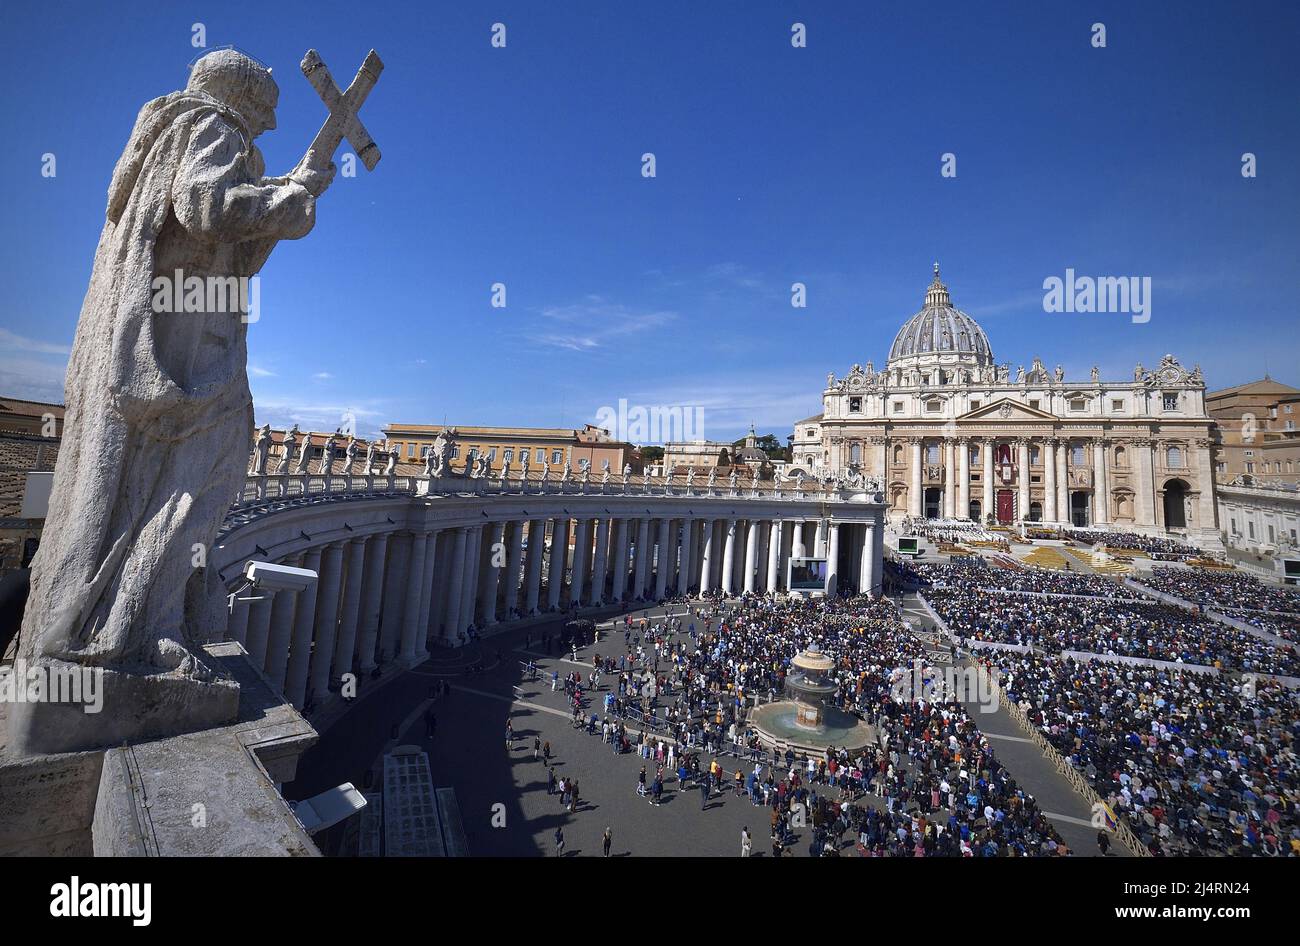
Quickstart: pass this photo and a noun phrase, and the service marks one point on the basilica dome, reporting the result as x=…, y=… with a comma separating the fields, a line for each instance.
x=940, y=334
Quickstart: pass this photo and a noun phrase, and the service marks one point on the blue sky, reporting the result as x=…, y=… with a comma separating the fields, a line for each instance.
x=774, y=165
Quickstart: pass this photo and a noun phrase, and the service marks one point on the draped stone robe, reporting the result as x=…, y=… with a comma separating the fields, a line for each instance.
x=155, y=441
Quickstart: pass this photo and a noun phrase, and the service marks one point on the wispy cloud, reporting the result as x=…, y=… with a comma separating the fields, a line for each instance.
x=594, y=323
x=15, y=342
x=255, y=371
x=367, y=414
x=322, y=376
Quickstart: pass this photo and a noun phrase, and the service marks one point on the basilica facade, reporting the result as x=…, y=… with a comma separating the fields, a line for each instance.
x=947, y=432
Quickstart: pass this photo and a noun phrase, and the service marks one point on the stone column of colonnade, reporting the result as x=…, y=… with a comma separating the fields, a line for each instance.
x=536, y=548
x=774, y=556
x=686, y=571
x=496, y=556
x=868, y=578
x=662, y=559
x=293, y=684
x=833, y=559
x=729, y=557
x=640, y=575
x=281, y=632
x=751, y=556
x=558, y=563
x=514, y=581
x=708, y=552
x=797, y=549
x=618, y=560
x=600, y=561
x=581, y=551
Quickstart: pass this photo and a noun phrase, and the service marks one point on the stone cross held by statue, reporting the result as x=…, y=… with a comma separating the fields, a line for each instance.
x=342, y=122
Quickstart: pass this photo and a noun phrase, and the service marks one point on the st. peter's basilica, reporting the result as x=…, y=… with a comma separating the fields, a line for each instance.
x=949, y=433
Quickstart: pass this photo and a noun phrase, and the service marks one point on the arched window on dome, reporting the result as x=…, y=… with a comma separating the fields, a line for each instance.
x=963, y=341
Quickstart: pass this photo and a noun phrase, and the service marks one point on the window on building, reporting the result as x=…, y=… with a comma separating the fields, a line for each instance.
x=410, y=450
x=1076, y=455
x=1234, y=527
x=932, y=453
x=1174, y=458
x=1287, y=408
x=1034, y=404
x=557, y=456
x=584, y=464
x=1250, y=530
x=1221, y=467
x=1078, y=404
x=1116, y=405
x=974, y=405
x=508, y=455
x=855, y=405
x=455, y=451
x=898, y=407
x=1249, y=453
x=855, y=453
x=492, y=455
x=810, y=432
x=974, y=453
x=1121, y=457
x=1170, y=402
x=1270, y=535
x=1033, y=456
x=934, y=406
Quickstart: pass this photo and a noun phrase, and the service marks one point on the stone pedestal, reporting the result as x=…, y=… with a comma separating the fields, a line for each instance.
x=133, y=708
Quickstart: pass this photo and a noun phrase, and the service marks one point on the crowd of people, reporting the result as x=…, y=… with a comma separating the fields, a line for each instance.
x=1119, y=628
x=1200, y=764
x=1214, y=588
x=975, y=572
x=1157, y=547
x=929, y=786
x=951, y=531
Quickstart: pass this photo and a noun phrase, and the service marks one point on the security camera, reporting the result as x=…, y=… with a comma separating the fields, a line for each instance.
x=268, y=576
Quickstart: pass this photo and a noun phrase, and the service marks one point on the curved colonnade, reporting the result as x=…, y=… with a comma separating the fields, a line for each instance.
x=408, y=564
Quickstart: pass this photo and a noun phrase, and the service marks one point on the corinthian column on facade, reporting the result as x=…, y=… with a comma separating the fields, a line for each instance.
x=1049, y=479
x=949, y=478
x=1100, y=484
x=963, y=477
x=1022, y=479
x=1205, y=476
x=986, y=479
x=915, y=496
x=1142, y=459
x=1063, y=481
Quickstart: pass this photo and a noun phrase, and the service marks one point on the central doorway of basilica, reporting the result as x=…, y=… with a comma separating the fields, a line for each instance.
x=1006, y=506
x=1079, y=509
x=933, y=503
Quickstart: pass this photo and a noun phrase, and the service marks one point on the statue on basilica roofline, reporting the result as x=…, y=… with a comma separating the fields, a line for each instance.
x=1059, y=375
x=1020, y=375
x=1096, y=374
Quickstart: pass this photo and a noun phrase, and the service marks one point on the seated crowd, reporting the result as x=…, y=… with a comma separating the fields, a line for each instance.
x=1215, y=589
x=1122, y=628
x=1157, y=547
x=1199, y=764
x=974, y=572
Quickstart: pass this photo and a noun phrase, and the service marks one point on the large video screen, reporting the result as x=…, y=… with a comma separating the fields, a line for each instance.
x=808, y=574
x=906, y=546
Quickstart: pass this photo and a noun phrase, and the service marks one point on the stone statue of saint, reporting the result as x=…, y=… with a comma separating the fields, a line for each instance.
x=327, y=453
x=304, y=454
x=370, y=458
x=627, y=471
x=1138, y=372
x=290, y=438
x=351, y=452
x=391, y=466
x=429, y=457
x=262, y=448
x=1096, y=374
x=1059, y=374
x=1020, y=375
x=713, y=477
x=158, y=408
